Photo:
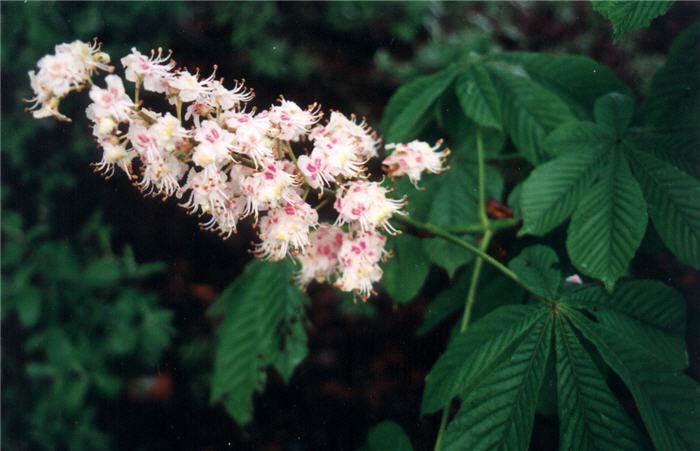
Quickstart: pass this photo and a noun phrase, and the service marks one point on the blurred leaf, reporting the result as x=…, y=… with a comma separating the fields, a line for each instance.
x=630, y=16
x=408, y=110
x=388, y=435
x=406, y=270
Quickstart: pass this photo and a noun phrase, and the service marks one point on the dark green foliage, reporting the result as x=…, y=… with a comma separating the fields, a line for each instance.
x=263, y=326
x=630, y=16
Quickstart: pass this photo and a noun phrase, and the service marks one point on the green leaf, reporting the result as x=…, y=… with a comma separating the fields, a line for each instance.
x=448, y=255
x=445, y=304
x=29, y=306
x=538, y=267
x=673, y=103
x=388, y=435
x=293, y=349
x=499, y=412
x=675, y=89
x=672, y=202
x=409, y=108
x=590, y=416
x=553, y=190
x=630, y=16
x=475, y=352
x=614, y=110
x=455, y=203
x=406, y=270
x=609, y=223
x=529, y=110
x=495, y=290
x=256, y=306
x=668, y=401
x=576, y=79
x=478, y=96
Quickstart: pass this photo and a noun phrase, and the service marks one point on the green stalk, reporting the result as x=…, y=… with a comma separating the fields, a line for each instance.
x=473, y=285
x=482, y=176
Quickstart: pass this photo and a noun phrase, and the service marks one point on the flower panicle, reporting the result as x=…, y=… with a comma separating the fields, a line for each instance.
x=225, y=161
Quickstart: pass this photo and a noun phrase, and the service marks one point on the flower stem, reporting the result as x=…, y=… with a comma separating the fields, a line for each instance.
x=494, y=226
x=439, y=232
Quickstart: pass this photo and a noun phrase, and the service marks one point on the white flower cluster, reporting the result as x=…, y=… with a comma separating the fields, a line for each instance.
x=226, y=162
x=69, y=69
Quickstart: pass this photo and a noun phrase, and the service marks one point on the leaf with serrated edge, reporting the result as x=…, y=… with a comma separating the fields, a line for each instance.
x=668, y=401
x=608, y=224
x=499, y=412
x=529, y=111
x=475, y=352
x=590, y=417
x=408, y=109
x=478, y=96
x=538, y=267
x=255, y=305
x=553, y=190
x=672, y=198
x=630, y=16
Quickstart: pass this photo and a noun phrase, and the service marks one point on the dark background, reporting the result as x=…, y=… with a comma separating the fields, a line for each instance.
x=365, y=364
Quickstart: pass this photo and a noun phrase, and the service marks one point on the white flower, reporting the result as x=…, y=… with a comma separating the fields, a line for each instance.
x=214, y=146
x=365, y=204
x=153, y=72
x=210, y=193
x=228, y=99
x=114, y=154
x=111, y=102
x=252, y=137
x=269, y=188
x=413, y=159
x=285, y=230
x=359, y=262
x=188, y=87
x=168, y=132
x=292, y=121
x=319, y=261
x=161, y=175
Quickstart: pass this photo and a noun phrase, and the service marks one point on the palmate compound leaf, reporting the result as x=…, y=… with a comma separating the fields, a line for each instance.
x=591, y=177
x=630, y=16
x=498, y=413
x=259, y=306
x=474, y=353
x=497, y=371
x=409, y=109
x=590, y=416
x=672, y=198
